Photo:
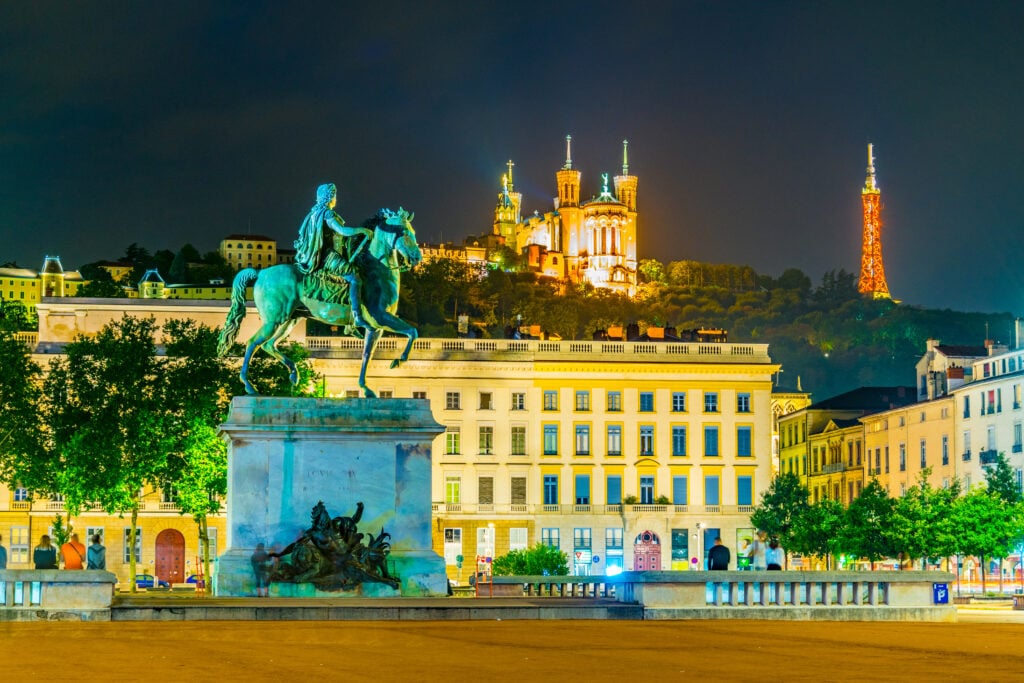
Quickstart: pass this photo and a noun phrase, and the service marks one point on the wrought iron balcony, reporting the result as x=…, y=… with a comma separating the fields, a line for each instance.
x=988, y=457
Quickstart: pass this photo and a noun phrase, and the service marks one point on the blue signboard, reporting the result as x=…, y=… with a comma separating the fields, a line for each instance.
x=940, y=593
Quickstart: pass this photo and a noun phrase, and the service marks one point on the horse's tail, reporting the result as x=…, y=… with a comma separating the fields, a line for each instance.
x=237, y=312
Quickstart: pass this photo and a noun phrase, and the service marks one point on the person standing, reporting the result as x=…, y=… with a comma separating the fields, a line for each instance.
x=45, y=555
x=73, y=553
x=3, y=555
x=719, y=556
x=96, y=558
x=774, y=555
x=757, y=552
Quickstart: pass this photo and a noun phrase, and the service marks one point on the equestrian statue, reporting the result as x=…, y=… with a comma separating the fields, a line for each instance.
x=342, y=275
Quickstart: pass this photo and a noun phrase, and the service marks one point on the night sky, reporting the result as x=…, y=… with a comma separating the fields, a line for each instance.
x=163, y=123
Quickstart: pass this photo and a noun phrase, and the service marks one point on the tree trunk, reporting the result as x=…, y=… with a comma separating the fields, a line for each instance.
x=131, y=549
x=982, y=574
x=204, y=536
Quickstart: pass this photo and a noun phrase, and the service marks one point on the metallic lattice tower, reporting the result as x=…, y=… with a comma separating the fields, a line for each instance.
x=872, y=272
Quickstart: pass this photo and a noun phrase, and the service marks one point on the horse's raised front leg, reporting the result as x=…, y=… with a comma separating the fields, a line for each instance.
x=393, y=323
x=369, y=343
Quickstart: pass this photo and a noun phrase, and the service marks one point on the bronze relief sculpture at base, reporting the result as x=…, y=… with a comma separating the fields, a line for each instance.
x=332, y=556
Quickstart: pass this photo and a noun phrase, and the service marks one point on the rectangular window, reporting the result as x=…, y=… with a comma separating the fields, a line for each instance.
x=583, y=489
x=518, y=440
x=613, y=489
x=710, y=401
x=518, y=400
x=485, y=490
x=646, y=490
x=20, y=494
x=1017, y=435
x=742, y=402
x=485, y=541
x=614, y=439
x=550, y=400
x=452, y=545
x=711, y=496
x=646, y=401
x=452, y=445
x=613, y=539
x=887, y=460
x=924, y=454
x=452, y=400
x=98, y=530
x=126, y=554
x=744, y=490
x=19, y=545
x=583, y=401
x=743, y=442
x=614, y=401
x=710, y=440
x=581, y=539
x=679, y=440
x=582, y=439
x=903, y=457
x=486, y=440
x=518, y=491
x=550, y=537
x=486, y=400
x=452, y=490
x=551, y=489
x=945, y=449
x=385, y=393
x=967, y=406
x=550, y=439
x=678, y=401
x=646, y=439
x=420, y=395
x=518, y=538
x=680, y=490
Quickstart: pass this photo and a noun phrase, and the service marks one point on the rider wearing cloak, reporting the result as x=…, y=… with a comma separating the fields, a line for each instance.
x=316, y=254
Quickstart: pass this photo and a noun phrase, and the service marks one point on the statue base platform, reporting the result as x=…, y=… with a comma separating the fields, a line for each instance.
x=286, y=454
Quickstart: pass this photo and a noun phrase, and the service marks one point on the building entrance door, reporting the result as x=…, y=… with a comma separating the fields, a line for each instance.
x=170, y=556
x=647, y=552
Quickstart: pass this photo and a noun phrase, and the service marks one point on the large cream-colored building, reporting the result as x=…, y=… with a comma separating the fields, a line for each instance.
x=249, y=251
x=30, y=286
x=624, y=454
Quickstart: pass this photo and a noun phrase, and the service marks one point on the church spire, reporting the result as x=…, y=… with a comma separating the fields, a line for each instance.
x=508, y=179
x=625, y=157
x=568, y=153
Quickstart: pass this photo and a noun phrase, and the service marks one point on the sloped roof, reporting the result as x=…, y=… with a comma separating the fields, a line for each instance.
x=868, y=399
x=954, y=351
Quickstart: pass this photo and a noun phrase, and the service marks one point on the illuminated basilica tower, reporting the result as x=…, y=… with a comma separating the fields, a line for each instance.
x=872, y=272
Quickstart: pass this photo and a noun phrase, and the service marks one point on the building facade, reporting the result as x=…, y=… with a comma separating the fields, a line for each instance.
x=30, y=287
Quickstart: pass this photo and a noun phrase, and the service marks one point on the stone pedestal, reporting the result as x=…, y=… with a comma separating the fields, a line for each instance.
x=285, y=454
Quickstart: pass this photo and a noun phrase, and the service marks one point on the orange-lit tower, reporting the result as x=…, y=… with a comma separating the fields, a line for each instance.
x=872, y=272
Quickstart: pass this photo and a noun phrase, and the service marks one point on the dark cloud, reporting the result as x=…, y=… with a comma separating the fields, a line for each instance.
x=166, y=123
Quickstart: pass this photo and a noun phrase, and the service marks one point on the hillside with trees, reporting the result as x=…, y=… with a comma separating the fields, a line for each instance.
x=828, y=335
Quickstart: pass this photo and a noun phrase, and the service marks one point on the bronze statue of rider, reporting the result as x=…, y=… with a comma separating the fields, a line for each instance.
x=315, y=252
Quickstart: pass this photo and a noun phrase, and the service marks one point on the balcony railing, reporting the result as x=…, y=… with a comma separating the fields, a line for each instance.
x=833, y=467
x=967, y=456
x=586, y=509
x=988, y=457
x=682, y=351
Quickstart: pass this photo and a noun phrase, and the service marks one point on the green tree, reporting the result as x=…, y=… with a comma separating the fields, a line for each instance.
x=23, y=454
x=782, y=509
x=919, y=525
x=16, y=317
x=203, y=481
x=868, y=518
x=1001, y=481
x=986, y=526
x=109, y=424
x=820, y=530
x=539, y=560
x=101, y=289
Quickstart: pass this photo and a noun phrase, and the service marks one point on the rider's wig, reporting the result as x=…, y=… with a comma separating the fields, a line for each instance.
x=325, y=193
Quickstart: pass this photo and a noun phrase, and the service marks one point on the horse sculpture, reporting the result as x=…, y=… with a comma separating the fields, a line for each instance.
x=278, y=292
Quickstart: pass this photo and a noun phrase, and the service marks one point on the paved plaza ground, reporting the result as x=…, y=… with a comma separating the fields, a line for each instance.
x=529, y=651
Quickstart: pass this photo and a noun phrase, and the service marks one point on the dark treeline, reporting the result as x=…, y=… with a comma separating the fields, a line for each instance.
x=828, y=335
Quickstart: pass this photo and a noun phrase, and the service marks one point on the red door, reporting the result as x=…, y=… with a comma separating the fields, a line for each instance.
x=647, y=552
x=170, y=556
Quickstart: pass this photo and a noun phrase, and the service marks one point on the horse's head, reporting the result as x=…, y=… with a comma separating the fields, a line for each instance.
x=397, y=232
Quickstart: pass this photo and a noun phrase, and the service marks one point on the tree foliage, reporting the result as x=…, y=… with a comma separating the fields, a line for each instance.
x=782, y=508
x=539, y=560
x=22, y=438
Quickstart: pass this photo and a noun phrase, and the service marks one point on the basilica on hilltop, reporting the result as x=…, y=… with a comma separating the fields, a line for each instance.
x=579, y=240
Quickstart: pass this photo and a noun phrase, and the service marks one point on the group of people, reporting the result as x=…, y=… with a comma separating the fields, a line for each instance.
x=764, y=554
x=73, y=553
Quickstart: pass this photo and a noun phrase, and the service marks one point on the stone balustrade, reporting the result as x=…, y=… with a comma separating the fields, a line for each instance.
x=55, y=595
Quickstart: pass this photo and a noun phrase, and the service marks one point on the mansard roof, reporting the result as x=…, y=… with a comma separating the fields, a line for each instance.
x=868, y=399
